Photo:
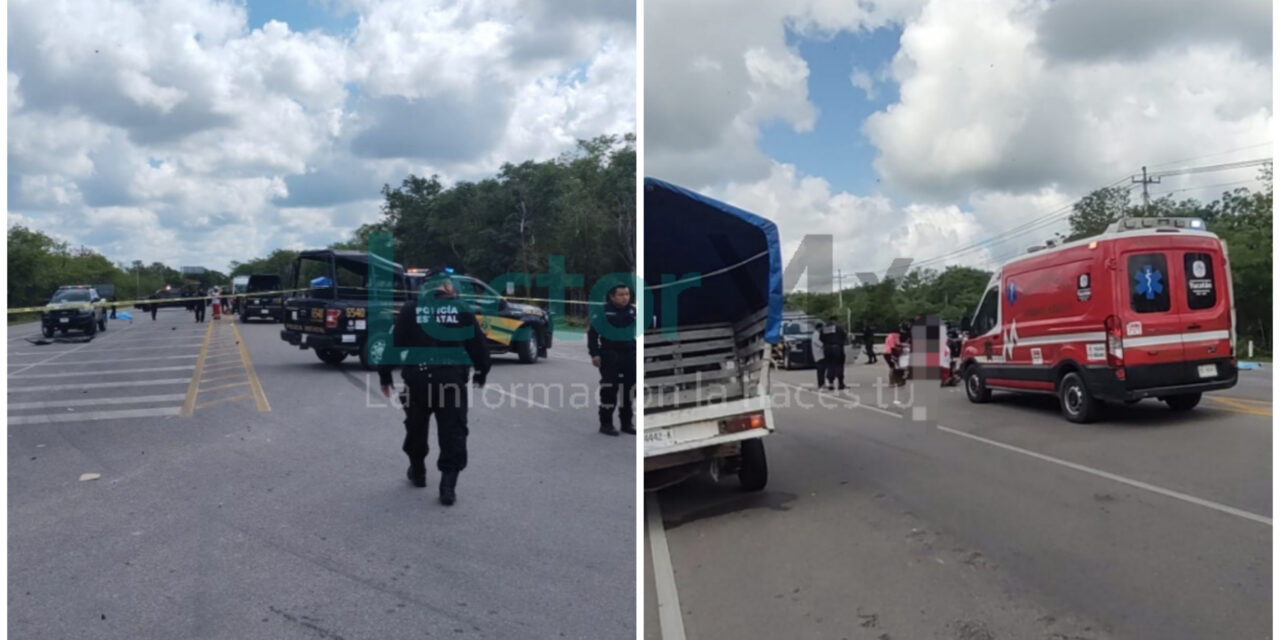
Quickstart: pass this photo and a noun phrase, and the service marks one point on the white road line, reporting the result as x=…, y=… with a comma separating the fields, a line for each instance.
x=1177, y=495
x=1138, y=484
x=102, y=372
x=80, y=362
x=95, y=415
x=856, y=403
x=98, y=385
x=670, y=620
x=170, y=348
x=92, y=402
x=63, y=353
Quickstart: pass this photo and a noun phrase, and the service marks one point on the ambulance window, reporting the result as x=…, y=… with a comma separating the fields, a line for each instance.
x=985, y=319
x=1148, y=283
x=1201, y=289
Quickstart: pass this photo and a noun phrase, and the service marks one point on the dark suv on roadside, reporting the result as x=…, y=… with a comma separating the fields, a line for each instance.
x=77, y=308
x=254, y=306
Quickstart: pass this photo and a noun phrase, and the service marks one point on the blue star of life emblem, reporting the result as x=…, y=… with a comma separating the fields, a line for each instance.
x=1149, y=282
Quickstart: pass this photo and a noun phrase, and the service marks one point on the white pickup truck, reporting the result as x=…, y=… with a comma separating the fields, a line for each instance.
x=715, y=275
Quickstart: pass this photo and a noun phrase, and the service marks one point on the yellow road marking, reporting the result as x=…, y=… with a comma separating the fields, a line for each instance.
x=205, y=405
x=224, y=386
x=226, y=377
x=225, y=367
x=1239, y=399
x=193, y=389
x=259, y=395
x=1240, y=407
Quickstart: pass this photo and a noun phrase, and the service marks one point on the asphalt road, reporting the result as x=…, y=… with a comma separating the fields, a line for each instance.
x=998, y=521
x=297, y=521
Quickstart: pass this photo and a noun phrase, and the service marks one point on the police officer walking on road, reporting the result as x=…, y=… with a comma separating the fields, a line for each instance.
x=448, y=342
x=834, y=339
x=614, y=353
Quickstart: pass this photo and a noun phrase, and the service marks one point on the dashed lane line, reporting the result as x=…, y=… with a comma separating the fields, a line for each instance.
x=73, y=374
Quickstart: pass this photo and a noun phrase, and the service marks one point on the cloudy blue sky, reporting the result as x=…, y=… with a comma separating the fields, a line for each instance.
x=918, y=127
x=206, y=131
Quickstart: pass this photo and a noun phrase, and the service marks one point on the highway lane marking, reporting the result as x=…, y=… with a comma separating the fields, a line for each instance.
x=225, y=386
x=224, y=367
x=80, y=362
x=1240, y=399
x=63, y=353
x=72, y=374
x=206, y=405
x=93, y=402
x=670, y=619
x=169, y=348
x=260, y=396
x=226, y=377
x=1236, y=406
x=95, y=415
x=1138, y=484
x=96, y=385
x=193, y=387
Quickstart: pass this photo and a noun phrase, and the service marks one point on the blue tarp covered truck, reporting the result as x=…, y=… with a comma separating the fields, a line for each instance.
x=713, y=291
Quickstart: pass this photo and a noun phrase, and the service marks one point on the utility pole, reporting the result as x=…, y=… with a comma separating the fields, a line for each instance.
x=1146, y=197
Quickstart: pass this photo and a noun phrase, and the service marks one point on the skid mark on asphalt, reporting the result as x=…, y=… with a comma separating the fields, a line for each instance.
x=224, y=372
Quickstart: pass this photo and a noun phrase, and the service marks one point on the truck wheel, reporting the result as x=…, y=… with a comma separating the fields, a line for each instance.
x=753, y=474
x=48, y=331
x=1183, y=402
x=331, y=356
x=527, y=350
x=1077, y=405
x=372, y=352
x=975, y=387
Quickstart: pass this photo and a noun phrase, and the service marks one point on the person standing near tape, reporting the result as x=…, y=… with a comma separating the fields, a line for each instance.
x=817, y=353
x=445, y=332
x=611, y=343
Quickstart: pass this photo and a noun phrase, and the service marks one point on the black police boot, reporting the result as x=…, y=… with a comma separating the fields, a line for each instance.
x=417, y=474
x=627, y=427
x=448, y=482
x=607, y=428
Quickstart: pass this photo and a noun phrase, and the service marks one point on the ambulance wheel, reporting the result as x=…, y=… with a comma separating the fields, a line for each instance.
x=1077, y=405
x=753, y=470
x=1183, y=402
x=527, y=351
x=975, y=387
x=331, y=356
x=372, y=352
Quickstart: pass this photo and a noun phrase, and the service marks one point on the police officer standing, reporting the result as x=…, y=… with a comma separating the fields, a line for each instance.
x=868, y=342
x=614, y=353
x=819, y=354
x=449, y=342
x=834, y=339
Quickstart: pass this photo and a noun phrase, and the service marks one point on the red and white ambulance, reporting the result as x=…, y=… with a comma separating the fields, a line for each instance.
x=1142, y=311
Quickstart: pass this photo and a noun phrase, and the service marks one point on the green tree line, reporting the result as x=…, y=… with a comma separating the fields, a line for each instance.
x=951, y=294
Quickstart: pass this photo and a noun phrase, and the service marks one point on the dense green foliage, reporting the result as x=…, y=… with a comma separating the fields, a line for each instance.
x=950, y=294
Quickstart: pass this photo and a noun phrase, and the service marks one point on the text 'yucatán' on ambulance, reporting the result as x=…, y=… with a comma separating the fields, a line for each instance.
x=1142, y=311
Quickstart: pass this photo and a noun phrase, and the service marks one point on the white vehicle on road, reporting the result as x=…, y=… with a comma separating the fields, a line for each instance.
x=707, y=355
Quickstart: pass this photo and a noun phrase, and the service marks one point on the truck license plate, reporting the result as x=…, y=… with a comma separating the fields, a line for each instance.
x=656, y=436
x=1208, y=371
x=64, y=319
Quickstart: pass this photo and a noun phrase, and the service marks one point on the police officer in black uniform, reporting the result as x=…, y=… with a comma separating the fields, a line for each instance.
x=450, y=341
x=834, y=339
x=614, y=353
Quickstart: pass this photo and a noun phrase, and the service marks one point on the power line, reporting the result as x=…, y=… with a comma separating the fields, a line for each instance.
x=1243, y=164
x=1207, y=186
x=1211, y=155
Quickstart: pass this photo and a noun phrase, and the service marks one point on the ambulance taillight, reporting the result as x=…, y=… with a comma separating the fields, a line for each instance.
x=1115, y=348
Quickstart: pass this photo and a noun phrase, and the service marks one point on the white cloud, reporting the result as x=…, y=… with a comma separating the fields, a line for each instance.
x=1002, y=117
x=239, y=140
